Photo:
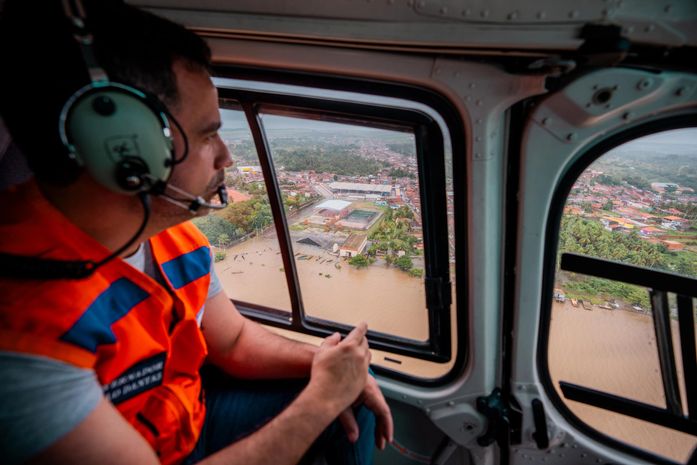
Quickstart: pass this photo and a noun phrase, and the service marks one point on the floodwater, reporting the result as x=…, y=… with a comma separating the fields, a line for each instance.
x=608, y=350
x=388, y=299
x=615, y=351
x=331, y=288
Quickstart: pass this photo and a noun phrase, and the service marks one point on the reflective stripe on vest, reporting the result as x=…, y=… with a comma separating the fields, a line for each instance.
x=141, y=339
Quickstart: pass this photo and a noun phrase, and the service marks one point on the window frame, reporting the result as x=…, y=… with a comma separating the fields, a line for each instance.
x=427, y=133
x=560, y=195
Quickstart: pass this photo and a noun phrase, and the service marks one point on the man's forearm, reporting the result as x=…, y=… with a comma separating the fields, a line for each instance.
x=260, y=354
x=285, y=438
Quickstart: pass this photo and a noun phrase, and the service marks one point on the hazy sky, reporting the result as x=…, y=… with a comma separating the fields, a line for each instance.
x=235, y=120
x=676, y=141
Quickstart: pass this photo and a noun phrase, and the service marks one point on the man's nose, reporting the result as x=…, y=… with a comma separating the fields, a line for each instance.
x=224, y=157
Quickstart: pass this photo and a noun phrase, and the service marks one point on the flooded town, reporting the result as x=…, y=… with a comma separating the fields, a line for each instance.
x=352, y=203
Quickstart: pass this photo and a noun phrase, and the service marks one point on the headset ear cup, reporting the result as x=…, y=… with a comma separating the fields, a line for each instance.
x=119, y=136
x=131, y=174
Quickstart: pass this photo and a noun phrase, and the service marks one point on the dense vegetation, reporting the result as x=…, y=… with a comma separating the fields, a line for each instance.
x=393, y=238
x=585, y=237
x=654, y=167
x=403, y=148
x=401, y=173
x=338, y=160
x=218, y=231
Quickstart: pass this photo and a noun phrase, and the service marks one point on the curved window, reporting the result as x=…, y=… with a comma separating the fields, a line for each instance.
x=621, y=348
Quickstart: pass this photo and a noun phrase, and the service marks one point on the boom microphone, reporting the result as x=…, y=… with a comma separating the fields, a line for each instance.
x=191, y=202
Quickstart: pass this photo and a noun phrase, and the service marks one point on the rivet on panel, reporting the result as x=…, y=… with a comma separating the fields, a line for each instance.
x=484, y=14
x=680, y=92
x=404, y=396
x=571, y=136
x=478, y=103
x=627, y=116
x=478, y=139
x=472, y=85
x=466, y=12
x=513, y=15
x=457, y=74
x=428, y=410
x=451, y=403
x=596, y=87
x=667, y=8
x=541, y=15
x=422, y=4
x=644, y=84
x=419, y=402
x=650, y=28
x=588, y=105
x=390, y=2
x=629, y=29
x=468, y=98
x=443, y=10
x=545, y=122
x=477, y=155
x=410, y=2
x=573, y=14
x=479, y=121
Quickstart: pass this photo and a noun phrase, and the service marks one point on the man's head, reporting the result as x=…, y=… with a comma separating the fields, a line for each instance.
x=43, y=67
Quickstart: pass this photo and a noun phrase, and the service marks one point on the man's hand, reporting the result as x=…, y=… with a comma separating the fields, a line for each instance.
x=340, y=368
x=373, y=399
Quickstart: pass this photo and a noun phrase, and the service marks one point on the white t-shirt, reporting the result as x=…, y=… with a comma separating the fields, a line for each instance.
x=43, y=399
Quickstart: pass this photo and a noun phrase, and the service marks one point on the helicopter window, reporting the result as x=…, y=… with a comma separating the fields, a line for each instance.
x=621, y=348
x=329, y=225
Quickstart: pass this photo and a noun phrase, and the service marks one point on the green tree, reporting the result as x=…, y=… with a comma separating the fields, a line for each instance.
x=404, y=263
x=416, y=272
x=212, y=226
x=359, y=261
x=223, y=240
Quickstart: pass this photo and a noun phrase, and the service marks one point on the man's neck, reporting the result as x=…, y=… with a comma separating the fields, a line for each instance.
x=110, y=218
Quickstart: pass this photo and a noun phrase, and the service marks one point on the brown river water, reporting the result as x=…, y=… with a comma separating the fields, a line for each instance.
x=609, y=350
x=615, y=351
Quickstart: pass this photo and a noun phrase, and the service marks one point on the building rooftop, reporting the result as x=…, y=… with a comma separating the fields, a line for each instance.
x=361, y=187
x=337, y=205
x=354, y=241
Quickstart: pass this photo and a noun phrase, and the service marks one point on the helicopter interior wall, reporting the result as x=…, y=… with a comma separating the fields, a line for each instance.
x=461, y=51
x=483, y=94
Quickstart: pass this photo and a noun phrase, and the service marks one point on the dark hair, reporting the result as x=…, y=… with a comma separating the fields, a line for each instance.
x=42, y=67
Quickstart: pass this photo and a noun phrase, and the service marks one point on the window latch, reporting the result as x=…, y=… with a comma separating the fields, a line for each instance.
x=504, y=421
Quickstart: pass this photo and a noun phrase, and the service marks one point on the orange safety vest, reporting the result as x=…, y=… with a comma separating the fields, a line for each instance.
x=142, y=340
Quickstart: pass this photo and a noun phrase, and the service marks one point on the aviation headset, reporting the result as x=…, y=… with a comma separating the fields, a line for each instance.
x=119, y=134
x=122, y=137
